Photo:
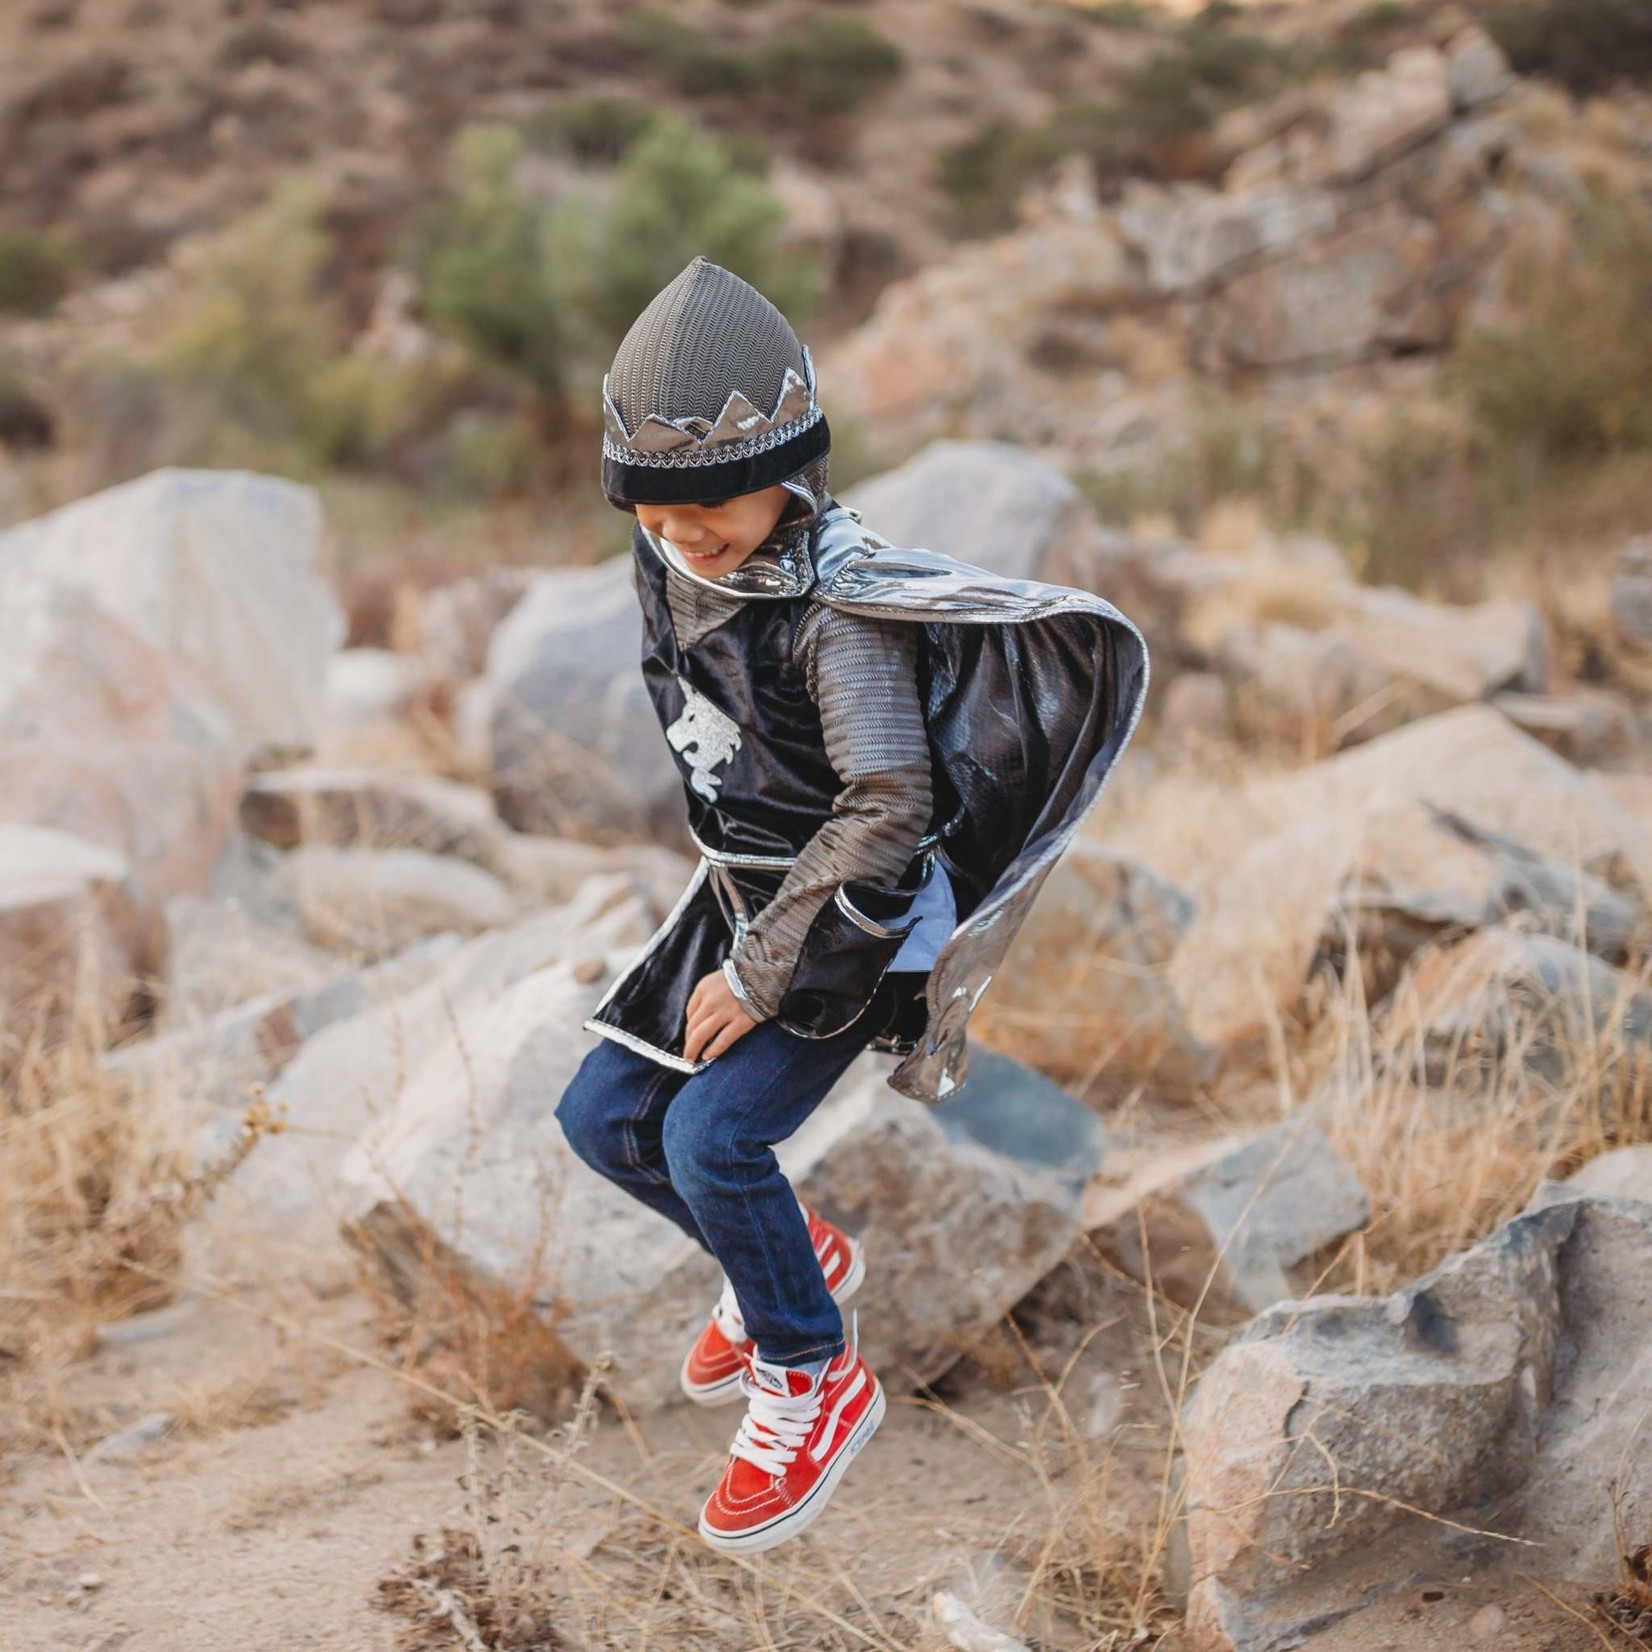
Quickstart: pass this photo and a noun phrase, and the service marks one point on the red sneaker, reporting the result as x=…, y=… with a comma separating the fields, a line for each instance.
x=799, y=1435
x=712, y=1371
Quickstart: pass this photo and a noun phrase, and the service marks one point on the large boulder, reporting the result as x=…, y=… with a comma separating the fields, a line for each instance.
x=65, y=906
x=1232, y=1217
x=373, y=809
x=222, y=952
x=1367, y=832
x=105, y=737
x=986, y=503
x=1504, y=1004
x=219, y=568
x=354, y=1071
x=963, y=1208
x=1341, y=1448
x=371, y=902
x=576, y=746
x=1084, y=995
x=1382, y=658
x=215, y=1060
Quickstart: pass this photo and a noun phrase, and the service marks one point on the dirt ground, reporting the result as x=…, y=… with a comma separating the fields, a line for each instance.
x=297, y=1477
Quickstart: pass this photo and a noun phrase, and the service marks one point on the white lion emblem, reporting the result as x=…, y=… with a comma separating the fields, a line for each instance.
x=705, y=737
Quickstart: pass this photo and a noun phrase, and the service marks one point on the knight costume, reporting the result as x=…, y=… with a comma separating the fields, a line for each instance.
x=970, y=724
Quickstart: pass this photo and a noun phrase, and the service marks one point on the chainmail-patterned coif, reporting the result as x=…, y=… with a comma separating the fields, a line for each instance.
x=703, y=336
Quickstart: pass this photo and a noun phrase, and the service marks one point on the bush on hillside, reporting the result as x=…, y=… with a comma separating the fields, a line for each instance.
x=547, y=289
x=487, y=266
x=595, y=131
x=256, y=356
x=831, y=63
x=34, y=273
x=1586, y=45
x=1574, y=378
x=690, y=59
x=676, y=194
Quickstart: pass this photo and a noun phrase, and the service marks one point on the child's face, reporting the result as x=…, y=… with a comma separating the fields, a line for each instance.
x=715, y=539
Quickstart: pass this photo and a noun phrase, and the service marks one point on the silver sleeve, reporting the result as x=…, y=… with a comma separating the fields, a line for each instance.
x=862, y=674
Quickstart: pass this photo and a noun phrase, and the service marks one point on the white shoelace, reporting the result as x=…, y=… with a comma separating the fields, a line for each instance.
x=775, y=1426
x=727, y=1316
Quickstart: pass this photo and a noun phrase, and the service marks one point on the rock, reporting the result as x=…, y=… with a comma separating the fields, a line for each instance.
x=1624, y=1173
x=986, y=503
x=1195, y=708
x=1476, y=1014
x=965, y=1631
x=457, y=620
x=1465, y=652
x=1476, y=70
x=576, y=747
x=1501, y=1390
x=1084, y=994
x=218, y=568
x=1584, y=727
x=371, y=902
x=213, y=1062
x=963, y=1207
x=1364, y=291
x=64, y=905
x=103, y=737
x=219, y=954
x=546, y=870
x=1382, y=659
x=1386, y=111
x=1366, y=826
x=366, y=684
x=126, y=1445
x=470, y=1167
x=475, y=1158
x=353, y=1072
x=374, y=809
x=1241, y=1213
x=1632, y=593
x=1191, y=236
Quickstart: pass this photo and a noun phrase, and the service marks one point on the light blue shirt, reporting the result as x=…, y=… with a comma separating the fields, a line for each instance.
x=937, y=910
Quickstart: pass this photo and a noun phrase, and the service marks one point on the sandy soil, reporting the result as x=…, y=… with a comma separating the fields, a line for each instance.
x=298, y=1477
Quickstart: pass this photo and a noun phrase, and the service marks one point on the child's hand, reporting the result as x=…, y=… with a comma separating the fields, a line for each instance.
x=715, y=1019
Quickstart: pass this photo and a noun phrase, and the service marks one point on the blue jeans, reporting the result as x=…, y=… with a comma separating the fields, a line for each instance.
x=700, y=1150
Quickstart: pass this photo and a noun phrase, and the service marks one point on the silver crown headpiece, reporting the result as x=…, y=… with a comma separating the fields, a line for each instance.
x=739, y=431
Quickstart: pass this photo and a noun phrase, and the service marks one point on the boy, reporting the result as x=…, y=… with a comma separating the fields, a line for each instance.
x=883, y=752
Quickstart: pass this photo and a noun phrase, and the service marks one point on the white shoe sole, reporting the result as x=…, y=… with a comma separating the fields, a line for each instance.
x=722, y=1393
x=785, y=1526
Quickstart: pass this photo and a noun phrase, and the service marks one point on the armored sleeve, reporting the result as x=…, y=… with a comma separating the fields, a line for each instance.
x=862, y=674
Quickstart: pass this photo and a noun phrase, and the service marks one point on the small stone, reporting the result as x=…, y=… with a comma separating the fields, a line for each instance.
x=122, y=1447
x=588, y=971
x=1488, y=1622
x=88, y=1581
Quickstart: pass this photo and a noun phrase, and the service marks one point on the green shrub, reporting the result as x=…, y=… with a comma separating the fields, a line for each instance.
x=830, y=63
x=25, y=421
x=485, y=262
x=985, y=173
x=34, y=273
x=596, y=131
x=257, y=354
x=692, y=61
x=489, y=454
x=1574, y=378
x=1586, y=45
x=675, y=194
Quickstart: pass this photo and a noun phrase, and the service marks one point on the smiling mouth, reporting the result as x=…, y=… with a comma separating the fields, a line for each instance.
x=706, y=556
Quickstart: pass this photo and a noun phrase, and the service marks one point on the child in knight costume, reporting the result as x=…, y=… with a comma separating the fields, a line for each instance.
x=883, y=753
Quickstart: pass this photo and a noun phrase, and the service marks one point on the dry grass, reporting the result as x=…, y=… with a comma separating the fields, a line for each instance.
x=94, y=1196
